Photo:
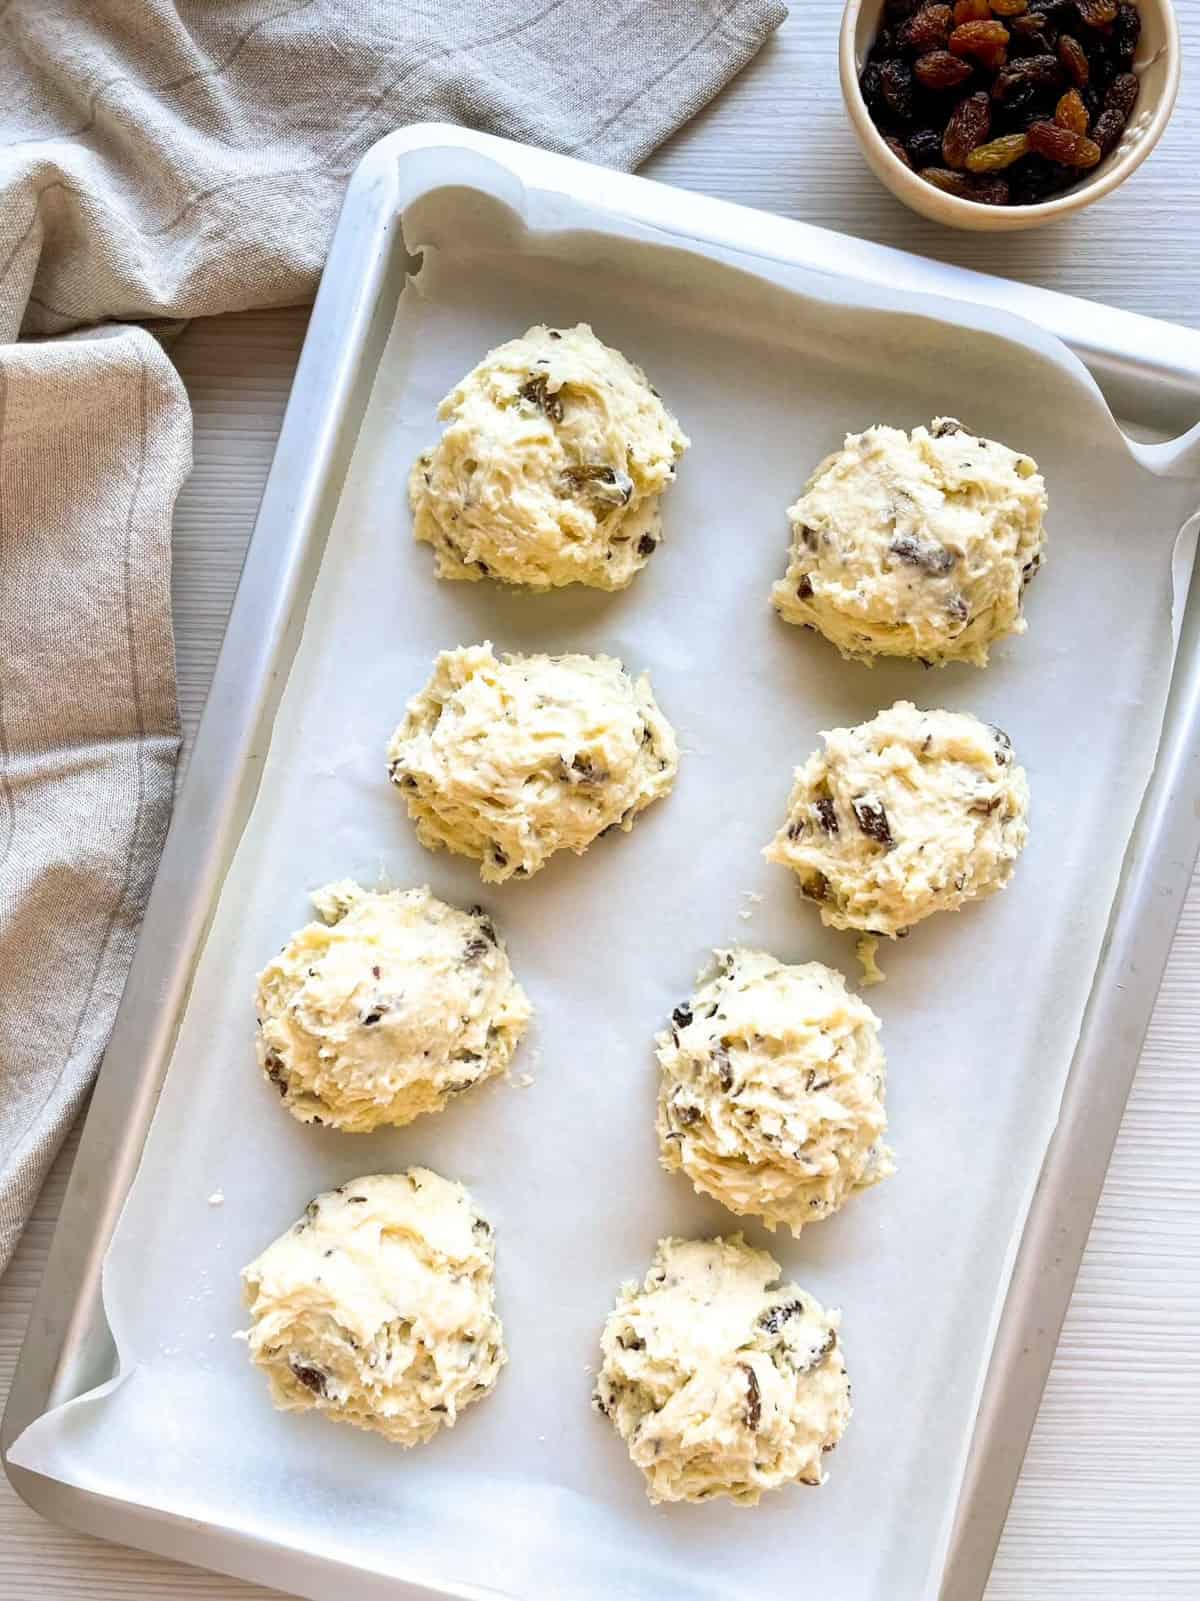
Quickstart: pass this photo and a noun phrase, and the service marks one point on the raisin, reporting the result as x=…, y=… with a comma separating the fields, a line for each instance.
x=873, y=820
x=1035, y=178
x=1070, y=112
x=1030, y=41
x=901, y=154
x=773, y=1319
x=474, y=949
x=581, y=770
x=605, y=482
x=1060, y=144
x=536, y=392
x=1102, y=70
x=804, y=588
x=1009, y=8
x=818, y=1355
x=972, y=11
x=870, y=85
x=311, y=1378
x=940, y=70
x=998, y=154
x=1097, y=13
x=826, y=814
x=978, y=38
x=991, y=191
x=682, y=1016
x=927, y=28
x=932, y=557
x=1029, y=74
x=897, y=81
x=753, y=1397
x=1074, y=58
x=925, y=148
x=1121, y=94
x=1127, y=30
x=815, y=887
x=647, y=545
x=950, y=183
x=1107, y=130
x=724, y=1071
x=969, y=125
x=1027, y=26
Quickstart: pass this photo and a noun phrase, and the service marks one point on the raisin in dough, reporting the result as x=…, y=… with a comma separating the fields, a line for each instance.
x=771, y=1097
x=377, y=1308
x=555, y=455
x=721, y=1380
x=385, y=1008
x=509, y=760
x=915, y=544
x=912, y=813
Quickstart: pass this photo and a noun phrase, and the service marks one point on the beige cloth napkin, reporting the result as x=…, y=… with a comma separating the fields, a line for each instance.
x=166, y=159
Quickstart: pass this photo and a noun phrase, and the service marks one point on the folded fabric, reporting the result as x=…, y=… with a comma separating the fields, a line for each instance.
x=168, y=159
x=95, y=439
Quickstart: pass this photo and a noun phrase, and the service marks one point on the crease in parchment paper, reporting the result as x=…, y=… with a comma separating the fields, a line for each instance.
x=980, y=1013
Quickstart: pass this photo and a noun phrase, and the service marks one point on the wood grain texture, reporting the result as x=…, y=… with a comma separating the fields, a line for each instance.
x=1106, y=1506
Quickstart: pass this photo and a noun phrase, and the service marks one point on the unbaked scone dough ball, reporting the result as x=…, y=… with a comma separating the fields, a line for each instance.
x=721, y=1380
x=912, y=813
x=510, y=759
x=771, y=1097
x=915, y=544
x=378, y=1308
x=386, y=1007
x=555, y=454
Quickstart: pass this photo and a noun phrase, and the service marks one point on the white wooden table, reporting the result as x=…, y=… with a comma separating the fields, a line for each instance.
x=1106, y=1509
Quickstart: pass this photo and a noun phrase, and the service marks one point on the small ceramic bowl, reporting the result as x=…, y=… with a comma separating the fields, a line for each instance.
x=1156, y=64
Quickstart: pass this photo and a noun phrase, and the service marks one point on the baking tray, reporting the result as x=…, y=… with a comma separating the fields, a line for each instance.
x=1150, y=374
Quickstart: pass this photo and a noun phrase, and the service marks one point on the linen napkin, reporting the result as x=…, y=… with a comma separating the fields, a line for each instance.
x=171, y=159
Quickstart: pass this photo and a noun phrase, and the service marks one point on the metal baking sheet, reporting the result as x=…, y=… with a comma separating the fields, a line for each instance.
x=1151, y=373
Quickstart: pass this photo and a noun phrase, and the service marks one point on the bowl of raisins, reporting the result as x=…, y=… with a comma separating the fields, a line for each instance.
x=1002, y=114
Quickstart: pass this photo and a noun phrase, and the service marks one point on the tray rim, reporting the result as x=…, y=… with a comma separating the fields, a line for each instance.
x=1153, y=366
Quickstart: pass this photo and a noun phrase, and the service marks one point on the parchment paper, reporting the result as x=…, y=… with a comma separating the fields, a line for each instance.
x=532, y=1494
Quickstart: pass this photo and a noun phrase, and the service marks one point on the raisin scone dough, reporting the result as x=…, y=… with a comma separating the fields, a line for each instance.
x=377, y=1308
x=772, y=1090
x=721, y=1380
x=510, y=759
x=385, y=1008
x=555, y=454
x=912, y=813
x=915, y=544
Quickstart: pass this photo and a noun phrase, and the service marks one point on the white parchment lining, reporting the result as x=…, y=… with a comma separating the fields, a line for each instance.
x=532, y=1494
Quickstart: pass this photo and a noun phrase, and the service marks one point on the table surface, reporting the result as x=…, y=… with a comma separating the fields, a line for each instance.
x=1105, y=1510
